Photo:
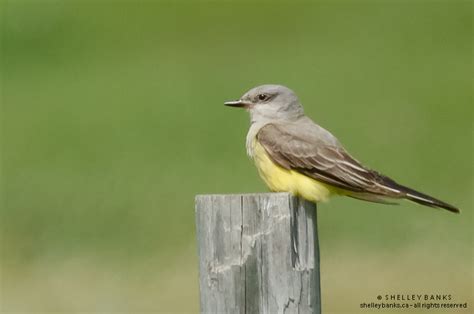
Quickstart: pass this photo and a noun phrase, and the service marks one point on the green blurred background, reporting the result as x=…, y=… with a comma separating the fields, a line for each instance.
x=113, y=120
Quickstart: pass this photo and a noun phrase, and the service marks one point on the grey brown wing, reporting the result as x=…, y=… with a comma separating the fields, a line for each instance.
x=319, y=160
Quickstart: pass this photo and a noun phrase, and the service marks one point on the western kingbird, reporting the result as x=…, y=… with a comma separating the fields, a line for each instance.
x=294, y=154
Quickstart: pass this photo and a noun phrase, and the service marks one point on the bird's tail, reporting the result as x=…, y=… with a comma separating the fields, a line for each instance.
x=424, y=199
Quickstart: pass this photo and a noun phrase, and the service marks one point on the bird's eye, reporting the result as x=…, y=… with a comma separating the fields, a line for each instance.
x=262, y=97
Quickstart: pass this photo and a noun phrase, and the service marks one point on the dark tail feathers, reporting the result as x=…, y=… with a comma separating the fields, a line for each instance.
x=426, y=200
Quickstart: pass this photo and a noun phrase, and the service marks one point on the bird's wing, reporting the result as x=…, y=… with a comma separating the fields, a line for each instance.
x=313, y=151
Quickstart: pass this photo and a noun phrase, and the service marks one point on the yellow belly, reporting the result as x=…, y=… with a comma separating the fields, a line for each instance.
x=280, y=179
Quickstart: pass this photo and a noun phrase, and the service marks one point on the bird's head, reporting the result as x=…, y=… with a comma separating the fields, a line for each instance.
x=270, y=102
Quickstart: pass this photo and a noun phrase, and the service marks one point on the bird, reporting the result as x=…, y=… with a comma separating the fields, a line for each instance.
x=294, y=154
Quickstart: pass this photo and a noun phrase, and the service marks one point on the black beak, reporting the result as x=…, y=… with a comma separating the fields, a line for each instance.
x=236, y=103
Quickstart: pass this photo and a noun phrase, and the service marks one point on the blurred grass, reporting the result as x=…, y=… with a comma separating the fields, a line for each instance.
x=112, y=120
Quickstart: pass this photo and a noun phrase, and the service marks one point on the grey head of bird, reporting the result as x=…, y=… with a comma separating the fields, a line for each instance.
x=270, y=103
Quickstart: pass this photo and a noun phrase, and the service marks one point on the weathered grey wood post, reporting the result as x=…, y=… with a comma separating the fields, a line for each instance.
x=258, y=253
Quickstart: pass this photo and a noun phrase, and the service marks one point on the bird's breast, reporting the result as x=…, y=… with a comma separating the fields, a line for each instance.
x=279, y=179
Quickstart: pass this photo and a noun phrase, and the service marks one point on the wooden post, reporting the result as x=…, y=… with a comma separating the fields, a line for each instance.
x=258, y=253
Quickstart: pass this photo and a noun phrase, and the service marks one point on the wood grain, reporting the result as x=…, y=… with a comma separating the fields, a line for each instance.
x=258, y=253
